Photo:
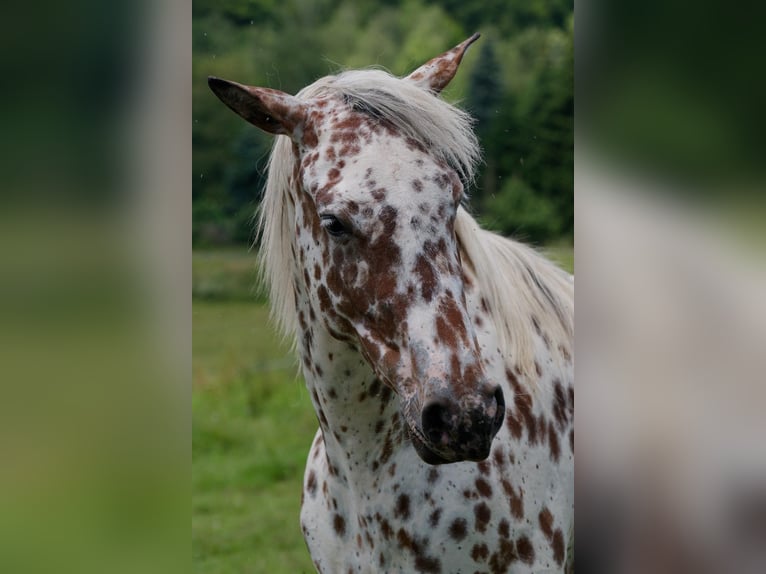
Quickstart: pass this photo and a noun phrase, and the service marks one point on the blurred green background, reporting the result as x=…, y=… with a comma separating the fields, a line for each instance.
x=252, y=419
x=517, y=81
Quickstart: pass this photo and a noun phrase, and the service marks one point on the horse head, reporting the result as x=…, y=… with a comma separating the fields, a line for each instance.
x=375, y=189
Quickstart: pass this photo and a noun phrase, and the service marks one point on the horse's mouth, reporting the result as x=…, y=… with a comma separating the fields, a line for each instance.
x=430, y=455
x=425, y=452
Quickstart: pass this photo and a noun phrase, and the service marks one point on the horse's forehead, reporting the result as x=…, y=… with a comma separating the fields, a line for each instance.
x=361, y=157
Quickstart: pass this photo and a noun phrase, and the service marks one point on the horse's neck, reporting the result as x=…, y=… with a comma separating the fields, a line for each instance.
x=358, y=415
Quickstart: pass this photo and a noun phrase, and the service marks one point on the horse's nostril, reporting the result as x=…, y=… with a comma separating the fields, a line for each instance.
x=435, y=420
x=500, y=414
x=500, y=398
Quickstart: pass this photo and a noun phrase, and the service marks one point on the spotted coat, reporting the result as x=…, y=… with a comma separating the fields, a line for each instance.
x=435, y=452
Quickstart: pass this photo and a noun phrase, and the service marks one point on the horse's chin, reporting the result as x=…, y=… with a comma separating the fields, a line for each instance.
x=426, y=454
x=430, y=455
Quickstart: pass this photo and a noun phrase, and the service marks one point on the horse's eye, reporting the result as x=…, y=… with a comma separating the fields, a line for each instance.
x=334, y=226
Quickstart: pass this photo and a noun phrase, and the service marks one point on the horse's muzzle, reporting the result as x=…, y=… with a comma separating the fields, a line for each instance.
x=452, y=432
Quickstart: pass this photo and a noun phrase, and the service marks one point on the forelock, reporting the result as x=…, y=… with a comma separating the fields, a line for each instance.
x=443, y=129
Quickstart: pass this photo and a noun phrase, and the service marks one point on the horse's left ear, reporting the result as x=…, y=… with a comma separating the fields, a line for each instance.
x=271, y=110
x=435, y=74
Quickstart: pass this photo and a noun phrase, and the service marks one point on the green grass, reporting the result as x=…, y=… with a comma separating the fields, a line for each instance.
x=225, y=275
x=252, y=424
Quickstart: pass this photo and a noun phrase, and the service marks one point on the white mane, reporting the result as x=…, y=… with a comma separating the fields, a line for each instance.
x=524, y=291
x=520, y=286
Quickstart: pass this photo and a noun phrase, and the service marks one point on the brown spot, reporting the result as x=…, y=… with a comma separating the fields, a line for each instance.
x=427, y=276
x=428, y=564
x=433, y=475
x=385, y=396
x=542, y=428
x=434, y=517
x=417, y=185
x=311, y=483
x=570, y=396
x=559, y=405
x=402, y=509
x=405, y=540
x=502, y=559
x=339, y=525
x=310, y=159
x=444, y=333
x=350, y=149
x=546, y=522
x=479, y=552
x=482, y=514
x=310, y=138
x=484, y=468
x=553, y=443
x=513, y=423
x=515, y=500
x=325, y=303
x=524, y=550
x=458, y=529
x=385, y=528
x=483, y=487
x=523, y=402
x=504, y=529
x=558, y=546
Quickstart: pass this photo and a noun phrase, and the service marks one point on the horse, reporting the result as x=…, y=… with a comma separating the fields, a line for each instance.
x=438, y=355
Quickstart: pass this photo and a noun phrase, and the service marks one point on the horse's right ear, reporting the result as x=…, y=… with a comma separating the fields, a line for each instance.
x=271, y=110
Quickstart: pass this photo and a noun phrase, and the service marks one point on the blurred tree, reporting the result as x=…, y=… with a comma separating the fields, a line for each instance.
x=518, y=86
x=508, y=18
x=518, y=211
x=428, y=31
x=547, y=145
x=485, y=96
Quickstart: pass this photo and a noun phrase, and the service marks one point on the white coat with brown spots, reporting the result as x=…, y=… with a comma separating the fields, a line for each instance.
x=437, y=355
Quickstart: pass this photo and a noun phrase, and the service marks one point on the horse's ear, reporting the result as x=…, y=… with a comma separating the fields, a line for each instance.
x=271, y=110
x=435, y=74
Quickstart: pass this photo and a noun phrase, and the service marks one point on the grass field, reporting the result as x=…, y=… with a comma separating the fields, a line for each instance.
x=252, y=425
